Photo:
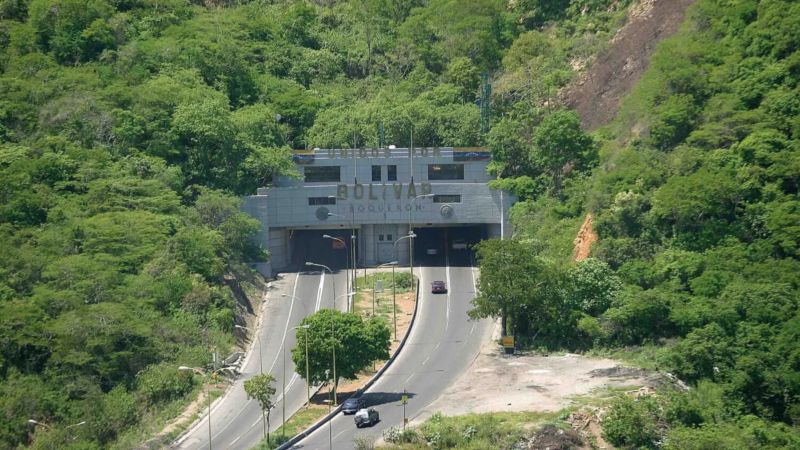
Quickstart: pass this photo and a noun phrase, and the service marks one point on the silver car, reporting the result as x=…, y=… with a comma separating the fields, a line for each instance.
x=366, y=416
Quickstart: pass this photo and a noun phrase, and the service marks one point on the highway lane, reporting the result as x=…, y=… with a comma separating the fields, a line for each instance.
x=442, y=344
x=236, y=422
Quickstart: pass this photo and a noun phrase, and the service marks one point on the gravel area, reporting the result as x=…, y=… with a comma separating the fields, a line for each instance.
x=497, y=382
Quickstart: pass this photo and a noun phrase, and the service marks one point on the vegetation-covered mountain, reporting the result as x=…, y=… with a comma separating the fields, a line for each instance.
x=129, y=127
x=695, y=199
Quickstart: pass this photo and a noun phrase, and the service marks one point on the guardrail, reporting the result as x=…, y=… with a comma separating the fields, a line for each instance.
x=300, y=436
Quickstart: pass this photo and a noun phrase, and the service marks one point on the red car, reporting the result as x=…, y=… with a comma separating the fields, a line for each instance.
x=438, y=287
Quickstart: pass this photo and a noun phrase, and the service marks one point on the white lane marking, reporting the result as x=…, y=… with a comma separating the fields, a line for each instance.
x=409, y=378
x=319, y=292
x=474, y=283
x=340, y=433
x=473, y=327
x=426, y=360
x=241, y=411
x=286, y=332
x=447, y=275
x=234, y=441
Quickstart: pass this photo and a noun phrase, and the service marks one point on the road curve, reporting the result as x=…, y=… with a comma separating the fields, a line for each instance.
x=236, y=422
x=442, y=344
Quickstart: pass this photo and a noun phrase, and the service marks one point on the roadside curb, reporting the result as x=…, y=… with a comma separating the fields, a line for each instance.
x=300, y=436
x=177, y=441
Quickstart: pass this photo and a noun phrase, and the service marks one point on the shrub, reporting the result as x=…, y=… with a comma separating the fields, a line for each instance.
x=633, y=422
x=163, y=382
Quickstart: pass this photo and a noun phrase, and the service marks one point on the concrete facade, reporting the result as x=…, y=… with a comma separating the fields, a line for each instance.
x=344, y=189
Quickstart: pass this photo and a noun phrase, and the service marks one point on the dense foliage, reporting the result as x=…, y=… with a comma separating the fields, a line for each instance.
x=128, y=126
x=695, y=202
x=353, y=341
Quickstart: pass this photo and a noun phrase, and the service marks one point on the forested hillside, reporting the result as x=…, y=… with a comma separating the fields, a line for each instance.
x=695, y=197
x=129, y=128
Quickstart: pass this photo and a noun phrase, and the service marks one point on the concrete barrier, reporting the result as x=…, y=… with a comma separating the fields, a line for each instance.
x=300, y=436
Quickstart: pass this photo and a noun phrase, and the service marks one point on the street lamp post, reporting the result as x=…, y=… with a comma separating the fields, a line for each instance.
x=411, y=233
x=347, y=260
x=352, y=250
x=36, y=422
x=308, y=382
x=208, y=396
x=333, y=330
x=333, y=279
x=410, y=236
x=394, y=293
x=283, y=385
x=347, y=295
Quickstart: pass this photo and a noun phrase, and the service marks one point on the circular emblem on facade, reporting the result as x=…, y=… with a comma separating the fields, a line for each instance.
x=322, y=213
x=446, y=211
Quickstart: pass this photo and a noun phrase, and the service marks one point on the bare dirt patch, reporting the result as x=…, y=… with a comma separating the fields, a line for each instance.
x=497, y=382
x=583, y=242
x=595, y=96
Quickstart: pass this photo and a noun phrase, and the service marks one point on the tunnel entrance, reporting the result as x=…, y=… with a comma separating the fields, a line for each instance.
x=436, y=246
x=311, y=246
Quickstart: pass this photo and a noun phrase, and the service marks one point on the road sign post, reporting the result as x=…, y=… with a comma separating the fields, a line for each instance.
x=404, y=401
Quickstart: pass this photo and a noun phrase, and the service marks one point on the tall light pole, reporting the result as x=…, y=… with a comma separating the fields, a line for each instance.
x=346, y=295
x=208, y=396
x=333, y=330
x=352, y=249
x=261, y=370
x=36, y=422
x=260, y=355
x=347, y=259
x=411, y=233
x=308, y=381
x=333, y=279
x=394, y=293
x=410, y=236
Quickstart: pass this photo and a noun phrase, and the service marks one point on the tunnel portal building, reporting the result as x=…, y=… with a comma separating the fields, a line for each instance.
x=366, y=199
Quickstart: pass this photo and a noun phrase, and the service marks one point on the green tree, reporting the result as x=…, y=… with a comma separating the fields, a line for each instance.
x=260, y=388
x=69, y=28
x=357, y=343
x=530, y=299
x=593, y=286
x=561, y=146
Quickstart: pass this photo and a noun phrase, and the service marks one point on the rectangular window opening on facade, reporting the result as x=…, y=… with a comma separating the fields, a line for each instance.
x=376, y=173
x=316, y=174
x=445, y=171
x=444, y=198
x=391, y=172
x=313, y=201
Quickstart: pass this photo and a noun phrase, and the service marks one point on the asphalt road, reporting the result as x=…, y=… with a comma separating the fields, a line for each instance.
x=442, y=344
x=236, y=422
